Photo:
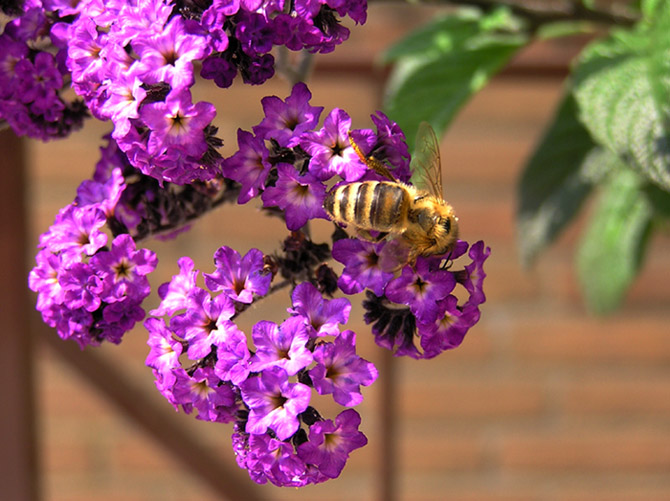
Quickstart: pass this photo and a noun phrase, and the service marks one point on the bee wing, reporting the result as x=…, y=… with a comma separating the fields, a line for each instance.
x=371, y=161
x=394, y=255
x=426, y=165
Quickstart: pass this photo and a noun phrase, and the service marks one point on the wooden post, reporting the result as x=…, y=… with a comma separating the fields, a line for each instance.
x=18, y=461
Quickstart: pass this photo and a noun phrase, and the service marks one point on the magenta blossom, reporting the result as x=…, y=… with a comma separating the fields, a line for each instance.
x=331, y=150
x=330, y=443
x=274, y=403
x=239, y=277
x=340, y=371
x=322, y=316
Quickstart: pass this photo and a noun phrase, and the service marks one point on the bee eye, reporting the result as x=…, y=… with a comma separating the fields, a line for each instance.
x=446, y=224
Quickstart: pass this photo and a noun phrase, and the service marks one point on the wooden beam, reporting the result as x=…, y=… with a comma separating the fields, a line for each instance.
x=18, y=461
x=158, y=422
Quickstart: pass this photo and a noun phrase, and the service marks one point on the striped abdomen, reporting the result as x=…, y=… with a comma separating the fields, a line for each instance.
x=370, y=205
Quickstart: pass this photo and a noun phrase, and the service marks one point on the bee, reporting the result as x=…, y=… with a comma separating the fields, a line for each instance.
x=414, y=216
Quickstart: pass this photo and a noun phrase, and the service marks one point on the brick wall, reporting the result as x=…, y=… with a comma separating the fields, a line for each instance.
x=541, y=402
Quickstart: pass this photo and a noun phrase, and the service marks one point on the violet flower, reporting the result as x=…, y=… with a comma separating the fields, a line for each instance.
x=330, y=443
x=239, y=277
x=283, y=346
x=321, y=316
x=331, y=151
x=300, y=197
x=340, y=371
x=274, y=402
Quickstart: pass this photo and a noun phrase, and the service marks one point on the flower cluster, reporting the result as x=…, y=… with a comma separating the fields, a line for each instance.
x=288, y=160
x=90, y=292
x=203, y=362
x=31, y=80
x=421, y=302
x=262, y=381
x=147, y=207
x=133, y=64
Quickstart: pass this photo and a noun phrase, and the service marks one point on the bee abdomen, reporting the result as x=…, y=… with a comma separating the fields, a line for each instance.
x=371, y=205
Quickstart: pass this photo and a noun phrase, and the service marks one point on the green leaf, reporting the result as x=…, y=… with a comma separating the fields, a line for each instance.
x=613, y=245
x=622, y=87
x=649, y=8
x=660, y=201
x=557, y=179
x=560, y=29
x=441, y=65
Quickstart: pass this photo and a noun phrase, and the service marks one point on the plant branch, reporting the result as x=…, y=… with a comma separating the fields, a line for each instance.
x=539, y=12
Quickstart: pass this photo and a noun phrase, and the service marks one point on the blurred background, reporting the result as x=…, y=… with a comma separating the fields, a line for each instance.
x=541, y=402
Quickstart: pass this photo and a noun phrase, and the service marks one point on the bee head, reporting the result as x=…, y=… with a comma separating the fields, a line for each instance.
x=446, y=225
x=446, y=232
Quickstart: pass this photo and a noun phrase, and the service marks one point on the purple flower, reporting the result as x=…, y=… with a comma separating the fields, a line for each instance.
x=177, y=122
x=11, y=52
x=258, y=69
x=124, y=268
x=81, y=287
x=274, y=403
x=137, y=19
x=269, y=459
x=391, y=146
x=232, y=356
x=340, y=371
x=77, y=230
x=167, y=56
x=394, y=328
x=330, y=443
x=205, y=322
x=84, y=50
x=281, y=346
x=474, y=276
x=213, y=19
x=249, y=166
x=124, y=96
x=421, y=288
x=119, y=317
x=320, y=315
x=286, y=120
x=105, y=194
x=361, y=266
x=164, y=349
x=214, y=401
x=449, y=330
x=43, y=279
x=176, y=294
x=301, y=197
x=331, y=151
x=40, y=80
x=254, y=33
x=219, y=69
x=239, y=278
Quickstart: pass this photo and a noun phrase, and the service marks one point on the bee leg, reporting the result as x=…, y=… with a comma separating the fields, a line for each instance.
x=366, y=235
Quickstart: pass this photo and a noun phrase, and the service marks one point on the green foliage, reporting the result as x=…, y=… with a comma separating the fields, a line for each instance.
x=622, y=86
x=441, y=65
x=613, y=245
x=611, y=133
x=555, y=181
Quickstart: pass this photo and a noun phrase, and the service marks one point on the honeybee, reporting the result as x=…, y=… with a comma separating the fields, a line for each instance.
x=414, y=216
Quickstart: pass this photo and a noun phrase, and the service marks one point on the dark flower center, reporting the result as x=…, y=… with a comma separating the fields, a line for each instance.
x=122, y=269
x=420, y=285
x=210, y=325
x=238, y=285
x=292, y=123
x=171, y=57
x=337, y=149
x=278, y=400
